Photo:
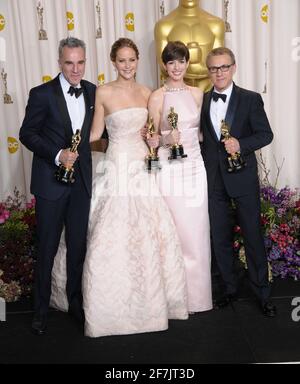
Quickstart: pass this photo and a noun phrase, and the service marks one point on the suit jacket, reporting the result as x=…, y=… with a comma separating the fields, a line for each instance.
x=249, y=124
x=47, y=129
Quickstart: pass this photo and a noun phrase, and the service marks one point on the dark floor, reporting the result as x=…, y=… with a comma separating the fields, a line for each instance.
x=236, y=334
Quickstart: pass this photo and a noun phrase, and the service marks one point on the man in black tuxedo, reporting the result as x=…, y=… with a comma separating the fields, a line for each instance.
x=54, y=112
x=244, y=113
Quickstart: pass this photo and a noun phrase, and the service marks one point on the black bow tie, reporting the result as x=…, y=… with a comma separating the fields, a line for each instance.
x=216, y=96
x=75, y=91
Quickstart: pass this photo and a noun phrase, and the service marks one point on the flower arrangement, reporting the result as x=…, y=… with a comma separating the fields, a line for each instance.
x=281, y=222
x=280, y=219
x=17, y=247
x=9, y=291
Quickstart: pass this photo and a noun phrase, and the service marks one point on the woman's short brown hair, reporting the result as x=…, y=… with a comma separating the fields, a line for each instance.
x=175, y=50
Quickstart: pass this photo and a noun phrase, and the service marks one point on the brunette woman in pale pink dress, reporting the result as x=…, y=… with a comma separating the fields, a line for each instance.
x=183, y=181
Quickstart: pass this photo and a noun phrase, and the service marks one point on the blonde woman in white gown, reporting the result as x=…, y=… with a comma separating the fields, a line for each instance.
x=134, y=277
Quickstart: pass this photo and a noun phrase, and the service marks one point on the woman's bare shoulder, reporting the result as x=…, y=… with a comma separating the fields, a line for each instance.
x=158, y=94
x=196, y=91
x=105, y=92
x=105, y=88
x=197, y=94
x=146, y=91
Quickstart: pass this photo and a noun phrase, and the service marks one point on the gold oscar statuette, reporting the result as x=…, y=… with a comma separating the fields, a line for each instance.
x=176, y=150
x=99, y=29
x=162, y=8
x=235, y=162
x=152, y=160
x=42, y=32
x=227, y=25
x=64, y=174
x=265, y=90
x=198, y=30
x=6, y=97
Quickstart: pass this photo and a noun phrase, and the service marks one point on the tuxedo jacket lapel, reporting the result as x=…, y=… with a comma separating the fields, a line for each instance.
x=207, y=114
x=62, y=107
x=232, y=107
x=88, y=111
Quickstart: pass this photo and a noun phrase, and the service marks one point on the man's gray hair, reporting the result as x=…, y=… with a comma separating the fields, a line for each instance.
x=70, y=42
x=219, y=52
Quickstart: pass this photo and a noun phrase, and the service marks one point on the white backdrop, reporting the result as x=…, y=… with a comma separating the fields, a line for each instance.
x=265, y=36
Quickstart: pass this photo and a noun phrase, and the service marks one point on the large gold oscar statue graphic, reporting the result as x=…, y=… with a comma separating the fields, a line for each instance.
x=199, y=30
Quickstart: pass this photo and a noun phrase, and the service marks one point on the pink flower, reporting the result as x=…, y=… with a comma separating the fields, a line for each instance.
x=237, y=229
x=236, y=244
x=284, y=228
x=31, y=204
x=4, y=216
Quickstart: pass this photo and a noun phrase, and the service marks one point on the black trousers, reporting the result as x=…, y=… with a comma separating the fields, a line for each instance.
x=221, y=221
x=70, y=212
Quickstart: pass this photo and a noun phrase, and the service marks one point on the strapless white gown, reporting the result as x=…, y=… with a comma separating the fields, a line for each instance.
x=134, y=275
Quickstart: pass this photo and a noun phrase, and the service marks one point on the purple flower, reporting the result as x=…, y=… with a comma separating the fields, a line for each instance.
x=281, y=228
x=274, y=253
x=268, y=242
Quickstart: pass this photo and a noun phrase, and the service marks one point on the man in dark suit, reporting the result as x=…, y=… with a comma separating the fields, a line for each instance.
x=244, y=114
x=55, y=111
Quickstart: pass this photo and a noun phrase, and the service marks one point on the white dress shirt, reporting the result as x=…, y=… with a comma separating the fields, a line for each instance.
x=76, y=108
x=218, y=110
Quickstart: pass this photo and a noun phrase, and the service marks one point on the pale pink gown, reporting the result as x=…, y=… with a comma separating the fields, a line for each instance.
x=183, y=184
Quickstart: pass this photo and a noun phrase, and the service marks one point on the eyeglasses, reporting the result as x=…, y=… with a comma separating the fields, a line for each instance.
x=222, y=68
